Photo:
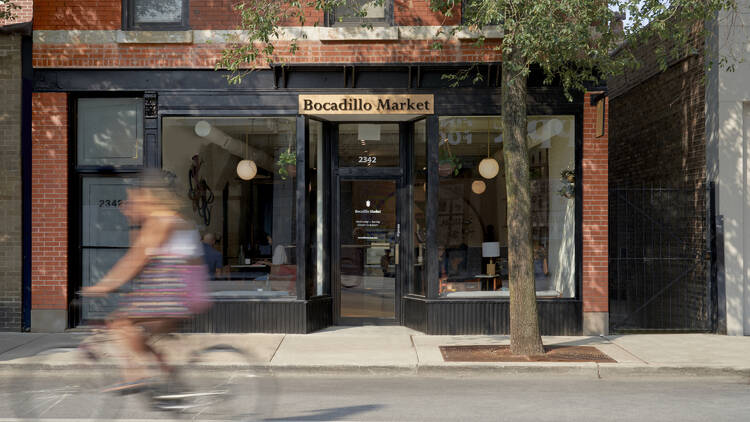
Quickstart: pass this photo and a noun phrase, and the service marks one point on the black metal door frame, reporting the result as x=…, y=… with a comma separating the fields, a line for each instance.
x=403, y=210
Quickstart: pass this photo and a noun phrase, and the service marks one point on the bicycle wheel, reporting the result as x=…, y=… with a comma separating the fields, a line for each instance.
x=218, y=382
x=64, y=380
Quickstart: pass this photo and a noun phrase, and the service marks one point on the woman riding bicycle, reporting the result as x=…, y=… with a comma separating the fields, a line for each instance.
x=168, y=273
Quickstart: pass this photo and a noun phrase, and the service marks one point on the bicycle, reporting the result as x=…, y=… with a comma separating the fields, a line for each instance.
x=196, y=387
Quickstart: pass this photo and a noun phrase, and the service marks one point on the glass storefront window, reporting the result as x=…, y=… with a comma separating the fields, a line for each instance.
x=317, y=196
x=249, y=209
x=472, y=227
x=419, y=223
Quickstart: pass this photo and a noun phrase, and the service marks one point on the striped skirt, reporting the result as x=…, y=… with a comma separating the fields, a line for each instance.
x=168, y=287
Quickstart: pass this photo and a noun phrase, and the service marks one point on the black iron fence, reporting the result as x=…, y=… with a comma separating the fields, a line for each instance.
x=660, y=242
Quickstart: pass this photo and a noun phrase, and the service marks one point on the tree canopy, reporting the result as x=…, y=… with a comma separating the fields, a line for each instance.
x=571, y=40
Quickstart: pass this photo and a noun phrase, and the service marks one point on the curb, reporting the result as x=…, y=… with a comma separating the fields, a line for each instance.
x=484, y=369
x=624, y=371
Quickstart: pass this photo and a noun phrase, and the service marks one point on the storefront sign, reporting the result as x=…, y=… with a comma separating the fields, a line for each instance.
x=367, y=104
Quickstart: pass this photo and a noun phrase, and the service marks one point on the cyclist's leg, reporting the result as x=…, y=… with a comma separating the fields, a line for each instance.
x=133, y=341
x=155, y=327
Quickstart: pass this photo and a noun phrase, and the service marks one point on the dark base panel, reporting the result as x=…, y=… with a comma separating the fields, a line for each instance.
x=319, y=313
x=415, y=313
x=292, y=317
x=442, y=317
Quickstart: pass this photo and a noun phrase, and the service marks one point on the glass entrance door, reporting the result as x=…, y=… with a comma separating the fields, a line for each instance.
x=369, y=235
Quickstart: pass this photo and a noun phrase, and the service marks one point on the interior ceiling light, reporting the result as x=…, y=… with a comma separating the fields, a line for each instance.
x=246, y=169
x=488, y=167
x=478, y=187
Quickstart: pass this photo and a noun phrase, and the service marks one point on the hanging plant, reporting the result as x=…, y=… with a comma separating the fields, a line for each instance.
x=287, y=163
x=568, y=183
x=448, y=163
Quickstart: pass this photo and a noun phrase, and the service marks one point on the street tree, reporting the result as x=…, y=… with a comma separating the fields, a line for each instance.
x=571, y=41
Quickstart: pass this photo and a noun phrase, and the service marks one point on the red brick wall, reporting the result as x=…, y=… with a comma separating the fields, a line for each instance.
x=213, y=14
x=418, y=13
x=206, y=14
x=595, y=212
x=21, y=15
x=49, y=201
x=79, y=14
x=218, y=14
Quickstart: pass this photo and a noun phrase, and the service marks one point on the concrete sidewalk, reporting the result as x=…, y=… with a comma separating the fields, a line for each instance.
x=397, y=350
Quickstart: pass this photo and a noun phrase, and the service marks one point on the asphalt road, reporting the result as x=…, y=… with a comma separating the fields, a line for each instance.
x=409, y=398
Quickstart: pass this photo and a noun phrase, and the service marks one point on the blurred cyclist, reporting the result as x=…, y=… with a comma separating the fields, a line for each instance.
x=166, y=265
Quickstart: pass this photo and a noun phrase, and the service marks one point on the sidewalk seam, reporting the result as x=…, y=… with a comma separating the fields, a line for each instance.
x=414, y=346
x=628, y=351
x=278, y=346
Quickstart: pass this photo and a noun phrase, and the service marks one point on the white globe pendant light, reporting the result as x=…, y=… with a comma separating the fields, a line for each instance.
x=246, y=169
x=489, y=168
x=478, y=187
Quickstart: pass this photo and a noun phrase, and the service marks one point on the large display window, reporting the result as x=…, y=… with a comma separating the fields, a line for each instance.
x=236, y=180
x=472, y=227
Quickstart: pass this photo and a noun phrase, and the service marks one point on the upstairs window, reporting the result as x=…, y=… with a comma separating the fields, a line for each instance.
x=357, y=12
x=155, y=15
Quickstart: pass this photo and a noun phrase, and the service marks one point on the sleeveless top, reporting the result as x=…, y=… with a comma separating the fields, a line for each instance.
x=171, y=284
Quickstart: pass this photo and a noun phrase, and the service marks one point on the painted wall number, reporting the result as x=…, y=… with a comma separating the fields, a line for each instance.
x=367, y=160
x=106, y=203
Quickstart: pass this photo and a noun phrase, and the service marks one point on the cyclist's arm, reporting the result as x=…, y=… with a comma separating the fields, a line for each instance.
x=153, y=234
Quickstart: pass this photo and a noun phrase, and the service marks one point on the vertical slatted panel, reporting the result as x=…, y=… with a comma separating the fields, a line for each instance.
x=252, y=317
x=488, y=317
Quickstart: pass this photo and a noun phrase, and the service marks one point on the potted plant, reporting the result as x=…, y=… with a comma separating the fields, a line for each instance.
x=568, y=182
x=448, y=163
x=287, y=163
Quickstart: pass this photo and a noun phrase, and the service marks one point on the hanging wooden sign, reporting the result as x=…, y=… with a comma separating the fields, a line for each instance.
x=367, y=104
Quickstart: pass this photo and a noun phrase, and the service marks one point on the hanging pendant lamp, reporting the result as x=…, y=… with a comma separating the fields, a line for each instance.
x=478, y=187
x=488, y=167
x=246, y=169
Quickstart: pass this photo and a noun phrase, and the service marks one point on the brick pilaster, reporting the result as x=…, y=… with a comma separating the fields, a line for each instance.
x=49, y=201
x=595, y=212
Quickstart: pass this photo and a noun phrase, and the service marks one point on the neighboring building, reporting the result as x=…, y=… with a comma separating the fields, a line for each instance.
x=345, y=186
x=677, y=165
x=15, y=120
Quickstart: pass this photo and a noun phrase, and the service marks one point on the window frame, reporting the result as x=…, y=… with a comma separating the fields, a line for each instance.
x=388, y=20
x=129, y=23
x=75, y=114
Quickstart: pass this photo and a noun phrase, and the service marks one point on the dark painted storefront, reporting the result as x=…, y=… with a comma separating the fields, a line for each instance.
x=411, y=288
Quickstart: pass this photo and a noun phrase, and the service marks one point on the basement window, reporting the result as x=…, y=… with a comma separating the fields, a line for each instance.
x=155, y=15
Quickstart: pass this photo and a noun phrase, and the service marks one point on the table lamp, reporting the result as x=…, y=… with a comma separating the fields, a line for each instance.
x=491, y=250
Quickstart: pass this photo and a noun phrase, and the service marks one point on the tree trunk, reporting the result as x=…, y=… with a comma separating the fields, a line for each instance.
x=524, y=318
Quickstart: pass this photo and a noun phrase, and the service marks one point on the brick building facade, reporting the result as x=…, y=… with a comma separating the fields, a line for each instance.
x=684, y=131
x=161, y=84
x=13, y=35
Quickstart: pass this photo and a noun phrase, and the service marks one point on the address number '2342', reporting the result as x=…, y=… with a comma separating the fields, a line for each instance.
x=367, y=160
